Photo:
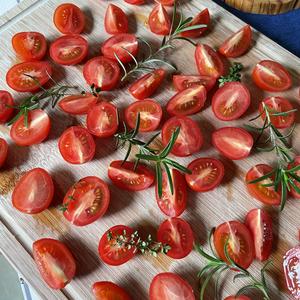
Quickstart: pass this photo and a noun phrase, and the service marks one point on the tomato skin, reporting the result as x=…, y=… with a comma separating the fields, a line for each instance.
x=166, y=2
x=135, y=2
x=3, y=151
x=29, y=46
x=49, y=253
x=183, y=82
x=36, y=187
x=293, y=192
x=237, y=298
x=5, y=112
x=105, y=290
x=159, y=21
x=115, y=20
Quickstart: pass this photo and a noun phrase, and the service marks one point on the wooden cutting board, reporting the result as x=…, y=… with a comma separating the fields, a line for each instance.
x=205, y=210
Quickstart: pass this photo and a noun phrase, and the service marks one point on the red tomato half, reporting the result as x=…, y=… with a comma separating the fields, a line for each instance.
x=170, y=286
x=146, y=86
x=135, y=2
x=69, y=19
x=266, y=195
x=150, y=115
x=292, y=165
x=103, y=72
x=37, y=130
x=271, y=76
x=183, y=82
x=29, y=46
x=166, y=2
x=207, y=174
x=237, y=298
x=233, y=142
x=5, y=111
x=259, y=223
x=125, y=177
x=34, y=192
x=240, y=243
x=237, y=44
x=115, y=20
x=28, y=76
x=3, y=151
x=190, y=138
x=116, y=45
x=55, y=262
x=69, y=50
x=159, y=21
x=76, y=145
x=208, y=61
x=172, y=205
x=105, y=290
x=110, y=251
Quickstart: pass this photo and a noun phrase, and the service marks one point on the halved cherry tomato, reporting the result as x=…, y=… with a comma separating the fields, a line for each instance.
x=170, y=286
x=238, y=43
x=116, y=45
x=105, y=290
x=77, y=104
x=135, y=2
x=110, y=251
x=29, y=46
x=187, y=102
x=69, y=19
x=124, y=176
x=35, y=132
x=69, y=49
x=296, y=163
x=159, y=21
x=231, y=101
x=76, y=145
x=54, y=261
x=203, y=18
x=34, y=192
x=233, y=142
x=115, y=20
x=172, y=205
x=103, y=72
x=150, y=115
x=208, y=61
x=183, y=82
x=237, y=298
x=3, y=151
x=28, y=76
x=146, y=86
x=259, y=223
x=265, y=194
x=271, y=76
x=240, y=245
x=5, y=111
x=278, y=105
x=190, y=138
x=166, y=2
x=207, y=174
x=102, y=119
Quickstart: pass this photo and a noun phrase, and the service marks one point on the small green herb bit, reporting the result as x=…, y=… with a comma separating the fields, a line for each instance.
x=234, y=74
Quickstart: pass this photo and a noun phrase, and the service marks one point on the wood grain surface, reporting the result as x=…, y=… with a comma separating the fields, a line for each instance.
x=205, y=210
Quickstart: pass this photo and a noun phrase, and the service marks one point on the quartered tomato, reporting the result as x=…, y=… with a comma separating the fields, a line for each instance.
x=69, y=19
x=159, y=21
x=207, y=174
x=166, y=2
x=208, y=61
x=233, y=142
x=146, y=86
x=183, y=82
x=150, y=114
x=124, y=176
x=35, y=132
x=3, y=151
x=240, y=246
x=231, y=101
x=265, y=194
x=292, y=165
x=102, y=119
x=170, y=286
x=69, y=49
x=103, y=72
x=271, y=76
x=115, y=20
x=237, y=298
x=259, y=222
x=187, y=102
x=116, y=45
x=105, y=290
x=34, y=192
x=190, y=138
x=172, y=205
x=278, y=105
x=237, y=44
x=6, y=112
x=135, y=2
x=55, y=262
x=28, y=76
x=110, y=251
x=76, y=145
x=29, y=46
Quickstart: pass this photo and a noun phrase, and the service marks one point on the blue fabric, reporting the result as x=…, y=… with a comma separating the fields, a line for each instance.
x=283, y=28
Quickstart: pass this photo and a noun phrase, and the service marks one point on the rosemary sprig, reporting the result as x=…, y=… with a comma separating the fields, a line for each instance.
x=63, y=207
x=234, y=74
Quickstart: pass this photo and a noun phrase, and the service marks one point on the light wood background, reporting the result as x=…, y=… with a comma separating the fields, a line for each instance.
x=205, y=210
